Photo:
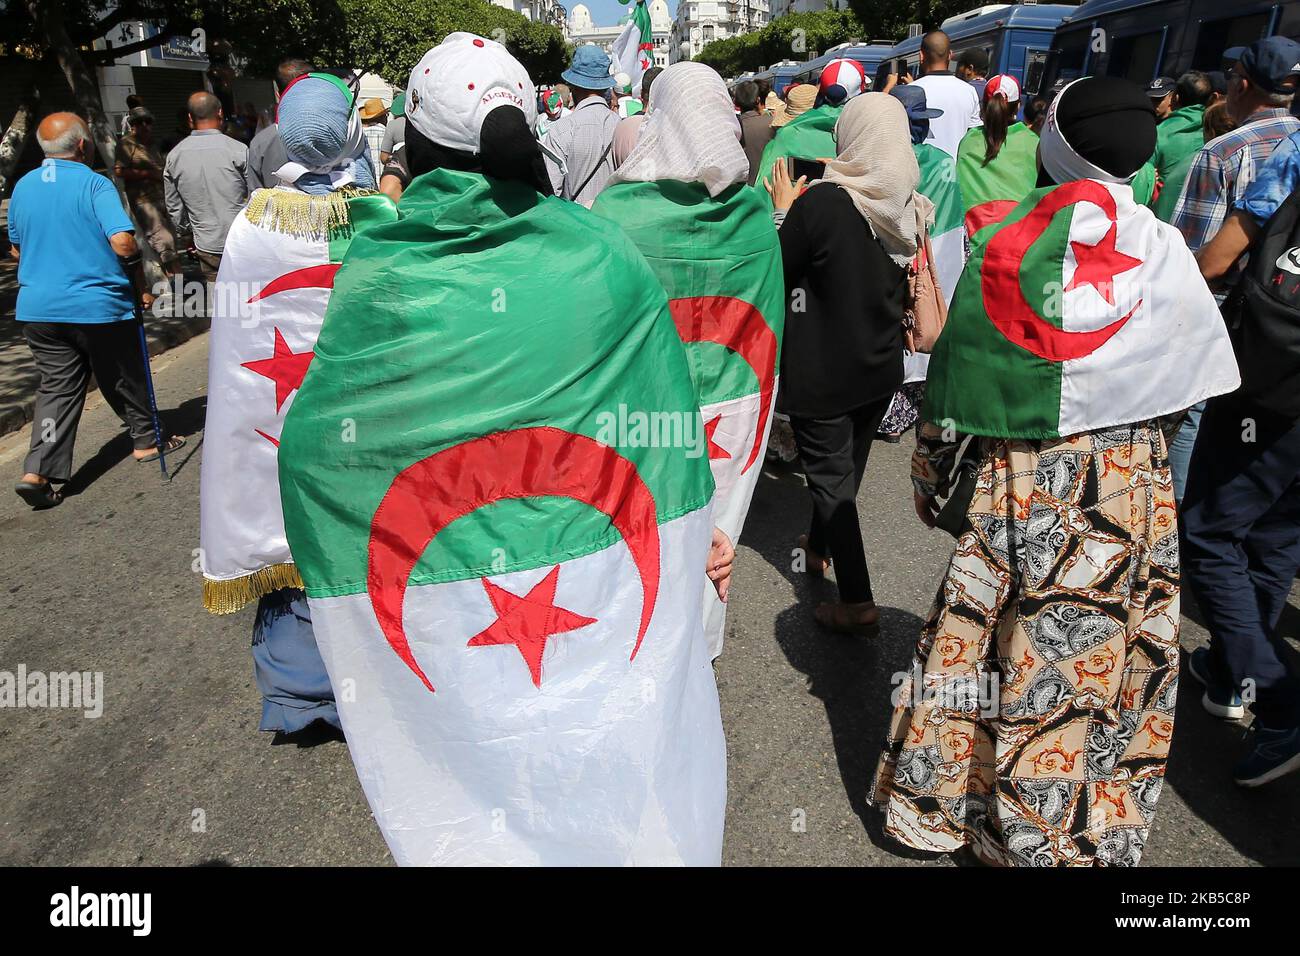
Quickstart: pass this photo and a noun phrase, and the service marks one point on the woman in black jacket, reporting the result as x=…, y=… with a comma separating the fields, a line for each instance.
x=846, y=242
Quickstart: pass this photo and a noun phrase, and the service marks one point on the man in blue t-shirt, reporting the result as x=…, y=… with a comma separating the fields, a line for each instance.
x=74, y=244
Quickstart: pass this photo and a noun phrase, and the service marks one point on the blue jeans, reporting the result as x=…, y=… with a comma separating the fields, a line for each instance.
x=1240, y=531
x=1180, y=449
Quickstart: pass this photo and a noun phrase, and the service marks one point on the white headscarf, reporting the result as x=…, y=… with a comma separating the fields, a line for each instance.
x=878, y=169
x=691, y=135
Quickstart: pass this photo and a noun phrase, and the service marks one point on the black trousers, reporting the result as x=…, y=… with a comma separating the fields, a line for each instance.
x=1240, y=531
x=66, y=354
x=833, y=452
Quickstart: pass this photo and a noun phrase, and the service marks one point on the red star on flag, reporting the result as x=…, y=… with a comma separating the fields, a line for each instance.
x=1098, y=265
x=715, y=450
x=527, y=622
x=286, y=368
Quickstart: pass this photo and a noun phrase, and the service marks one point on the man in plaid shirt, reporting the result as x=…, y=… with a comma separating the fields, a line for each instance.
x=1261, y=85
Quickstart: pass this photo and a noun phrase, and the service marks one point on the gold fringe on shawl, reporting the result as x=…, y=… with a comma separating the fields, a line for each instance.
x=313, y=216
x=322, y=216
x=227, y=597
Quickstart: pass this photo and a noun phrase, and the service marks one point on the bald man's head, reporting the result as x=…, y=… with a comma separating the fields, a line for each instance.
x=935, y=50
x=204, y=110
x=64, y=136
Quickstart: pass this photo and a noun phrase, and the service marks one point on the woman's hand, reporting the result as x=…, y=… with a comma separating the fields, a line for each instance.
x=784, y=192
x=927, y=509
x=721, y=558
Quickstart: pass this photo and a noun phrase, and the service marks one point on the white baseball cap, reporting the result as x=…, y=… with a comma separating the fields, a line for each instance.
x=457, y=83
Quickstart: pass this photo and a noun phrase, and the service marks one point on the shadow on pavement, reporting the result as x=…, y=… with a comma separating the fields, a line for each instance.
x=186, y=419
x=1259, y=823
x=851, y=676
x=313, y=735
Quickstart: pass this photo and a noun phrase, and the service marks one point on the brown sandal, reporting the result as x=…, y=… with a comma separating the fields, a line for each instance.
x=861, y=619
x=815, y=564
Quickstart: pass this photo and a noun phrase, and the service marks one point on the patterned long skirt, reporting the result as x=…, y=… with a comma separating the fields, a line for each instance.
x=1035, y=722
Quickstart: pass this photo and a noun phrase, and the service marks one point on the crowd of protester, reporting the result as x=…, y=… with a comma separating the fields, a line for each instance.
x=886, y=214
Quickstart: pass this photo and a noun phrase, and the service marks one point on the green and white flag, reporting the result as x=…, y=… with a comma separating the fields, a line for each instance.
x=634, y=48
x=1079, y=311
x=493, y=490
x=991, y=192
x=939, y=185
x=719, y=259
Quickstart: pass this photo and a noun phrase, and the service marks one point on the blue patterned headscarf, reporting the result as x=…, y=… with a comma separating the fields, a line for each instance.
x=322, y=134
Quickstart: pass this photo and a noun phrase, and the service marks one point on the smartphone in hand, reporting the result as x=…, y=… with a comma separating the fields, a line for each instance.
x=806, y=167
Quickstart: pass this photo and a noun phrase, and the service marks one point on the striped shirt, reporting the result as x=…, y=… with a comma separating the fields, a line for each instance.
x=580, y=140
x=1223, y=169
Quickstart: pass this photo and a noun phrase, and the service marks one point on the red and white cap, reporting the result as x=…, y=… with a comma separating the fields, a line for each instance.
x=1003, y=85
x=848, y=75
x=457, y=83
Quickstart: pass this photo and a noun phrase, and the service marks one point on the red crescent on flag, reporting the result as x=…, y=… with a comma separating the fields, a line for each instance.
x=739, y=326
x=523, y=463
x=987, y=213
x=1004, y=300
x=312, y=277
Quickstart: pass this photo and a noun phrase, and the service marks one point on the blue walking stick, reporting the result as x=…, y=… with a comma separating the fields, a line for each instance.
x=153, y=402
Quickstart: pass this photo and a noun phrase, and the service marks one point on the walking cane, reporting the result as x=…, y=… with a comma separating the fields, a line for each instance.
x=153, y=402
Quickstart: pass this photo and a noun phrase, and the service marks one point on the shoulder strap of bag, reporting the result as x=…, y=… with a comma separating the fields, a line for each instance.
x=600, y=162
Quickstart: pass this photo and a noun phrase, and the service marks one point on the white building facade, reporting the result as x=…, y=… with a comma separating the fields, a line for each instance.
x=539, y=11
x=700, y=22
x=581, y=29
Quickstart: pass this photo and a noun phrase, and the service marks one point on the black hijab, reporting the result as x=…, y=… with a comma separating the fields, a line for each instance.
x=1109, y=122
x=507, y=150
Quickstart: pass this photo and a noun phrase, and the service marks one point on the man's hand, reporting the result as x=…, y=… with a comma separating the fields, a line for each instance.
x=721, y=558
x=927, y=508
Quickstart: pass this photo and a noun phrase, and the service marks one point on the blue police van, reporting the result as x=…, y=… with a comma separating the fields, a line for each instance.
x=779, y=75
x=1016, y=37
x=1143, y=39
x=869, y=55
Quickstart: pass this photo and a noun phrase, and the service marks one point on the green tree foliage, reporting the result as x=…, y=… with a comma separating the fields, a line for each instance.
x=801, y=36
x=384, y=36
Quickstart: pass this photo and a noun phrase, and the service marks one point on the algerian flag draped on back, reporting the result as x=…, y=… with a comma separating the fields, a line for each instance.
x=1080, y=311
x=276, y=274
x=991, y=192
x=489, y=489
x=720, y=261
x=939, y=185
x=633, y=49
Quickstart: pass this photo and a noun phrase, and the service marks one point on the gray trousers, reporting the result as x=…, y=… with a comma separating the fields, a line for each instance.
x=66, y=354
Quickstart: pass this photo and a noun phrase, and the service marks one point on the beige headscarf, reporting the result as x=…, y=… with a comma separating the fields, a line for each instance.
x=878, y=169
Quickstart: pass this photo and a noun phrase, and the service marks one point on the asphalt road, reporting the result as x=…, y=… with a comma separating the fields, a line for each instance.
x=176, y=772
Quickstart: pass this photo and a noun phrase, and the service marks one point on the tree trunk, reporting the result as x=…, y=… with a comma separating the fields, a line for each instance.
x=16, y=137
x=85, y=91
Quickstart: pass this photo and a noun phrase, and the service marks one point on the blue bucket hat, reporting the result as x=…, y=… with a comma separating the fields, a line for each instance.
x=590, y=70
